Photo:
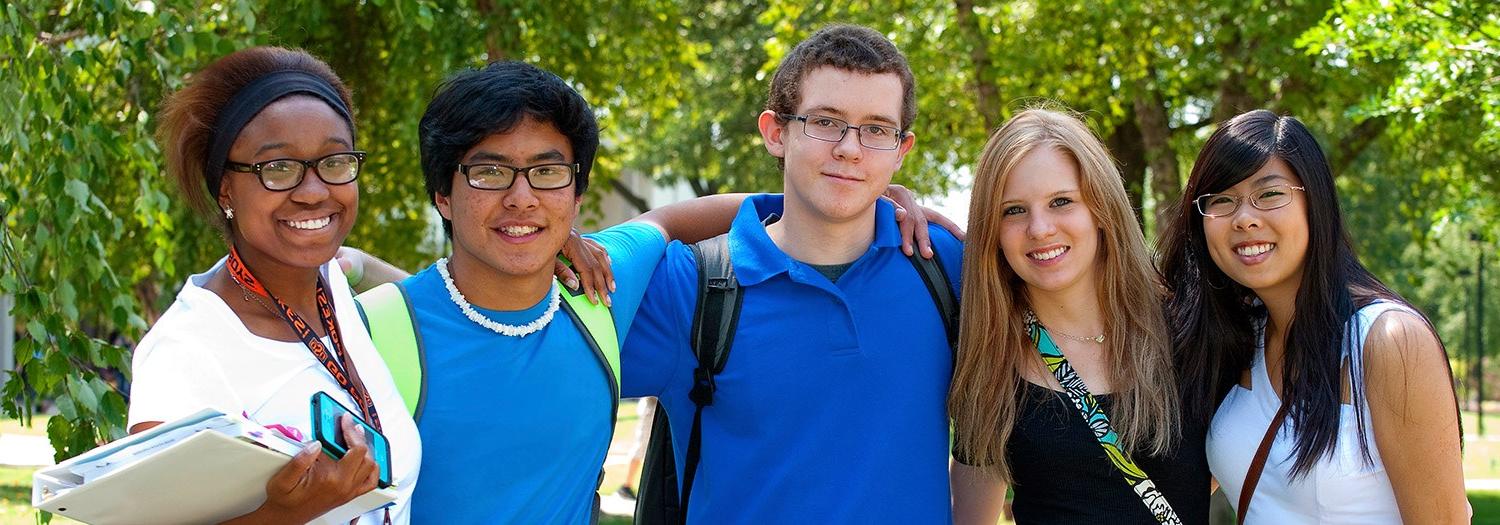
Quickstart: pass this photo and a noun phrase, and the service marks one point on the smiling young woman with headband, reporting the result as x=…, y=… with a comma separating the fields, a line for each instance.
x=262, y=143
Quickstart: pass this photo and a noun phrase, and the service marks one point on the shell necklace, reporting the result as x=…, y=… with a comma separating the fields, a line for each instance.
x=499, y=328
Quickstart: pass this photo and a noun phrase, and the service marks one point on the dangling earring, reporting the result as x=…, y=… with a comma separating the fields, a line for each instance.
x=228, y=213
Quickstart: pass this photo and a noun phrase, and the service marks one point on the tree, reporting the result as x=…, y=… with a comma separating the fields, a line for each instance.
x=94, y=242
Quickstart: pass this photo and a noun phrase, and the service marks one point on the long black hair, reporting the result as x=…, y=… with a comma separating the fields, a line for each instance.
x=1213, y=319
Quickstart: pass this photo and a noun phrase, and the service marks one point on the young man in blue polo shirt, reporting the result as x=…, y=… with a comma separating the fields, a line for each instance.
x=831, y=406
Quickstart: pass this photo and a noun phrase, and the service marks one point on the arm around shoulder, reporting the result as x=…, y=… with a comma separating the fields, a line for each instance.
x=1408, y=385
x=697, y=219
x=657, y=340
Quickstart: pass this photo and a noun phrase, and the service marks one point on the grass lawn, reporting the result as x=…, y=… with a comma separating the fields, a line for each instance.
x=1481, y=453
x=15, y=498
x=13, y=426
x=1486, y=507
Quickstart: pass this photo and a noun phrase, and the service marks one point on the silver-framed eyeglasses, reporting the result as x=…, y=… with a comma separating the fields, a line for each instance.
x=1267, y=198
x=825, y=128
x=284, y=174
x=550, y=176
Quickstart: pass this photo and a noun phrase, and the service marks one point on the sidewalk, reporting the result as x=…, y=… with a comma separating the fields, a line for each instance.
x=18, y=450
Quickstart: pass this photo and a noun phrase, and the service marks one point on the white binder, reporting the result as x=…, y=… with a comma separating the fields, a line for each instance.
x=205, y=468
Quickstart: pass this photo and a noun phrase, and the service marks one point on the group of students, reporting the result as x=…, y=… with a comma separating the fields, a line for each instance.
x=1095, y=386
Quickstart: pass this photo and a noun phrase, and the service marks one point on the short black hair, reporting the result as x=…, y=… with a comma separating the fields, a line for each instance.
x=473, y=104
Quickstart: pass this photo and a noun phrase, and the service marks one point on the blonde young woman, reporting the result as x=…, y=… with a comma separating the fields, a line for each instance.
x=1056, y=265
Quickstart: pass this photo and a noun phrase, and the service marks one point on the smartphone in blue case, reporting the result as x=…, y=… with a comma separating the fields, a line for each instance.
x=325, y=422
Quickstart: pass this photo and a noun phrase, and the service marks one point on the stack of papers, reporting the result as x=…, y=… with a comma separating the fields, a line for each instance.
x=205, y=468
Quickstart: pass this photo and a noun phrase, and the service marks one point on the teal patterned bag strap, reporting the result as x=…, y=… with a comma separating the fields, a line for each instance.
x=1098, y=422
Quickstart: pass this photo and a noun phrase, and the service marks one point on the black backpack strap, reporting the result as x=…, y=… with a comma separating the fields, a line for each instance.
x=941, y=289
x=719, y=302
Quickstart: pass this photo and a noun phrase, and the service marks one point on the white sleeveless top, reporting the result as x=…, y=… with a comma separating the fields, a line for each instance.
x=1340, y=488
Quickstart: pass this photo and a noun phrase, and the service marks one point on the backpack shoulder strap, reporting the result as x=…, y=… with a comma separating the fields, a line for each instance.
x=597, y=325
x=941, y=288
x=387, y=313
x=714, y=322
x=717, y=314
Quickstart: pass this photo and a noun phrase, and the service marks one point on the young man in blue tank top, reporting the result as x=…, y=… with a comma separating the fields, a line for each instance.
x=831, y=406
x=516, y=406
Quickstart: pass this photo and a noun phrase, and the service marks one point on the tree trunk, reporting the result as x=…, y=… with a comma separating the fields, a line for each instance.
x=987, y=95
x=1125, y=143
x=1233, y=97
x=1233, y=92
x=1166, y=184
x=493, y=52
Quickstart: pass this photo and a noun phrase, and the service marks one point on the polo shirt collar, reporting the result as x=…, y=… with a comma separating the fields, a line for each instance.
x=756, y=258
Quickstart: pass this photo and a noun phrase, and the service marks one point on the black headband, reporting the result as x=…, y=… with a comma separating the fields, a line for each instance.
x=249, y=101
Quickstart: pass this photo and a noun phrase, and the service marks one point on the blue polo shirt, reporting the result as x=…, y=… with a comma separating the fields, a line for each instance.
x=831, y=407
x=515, y=429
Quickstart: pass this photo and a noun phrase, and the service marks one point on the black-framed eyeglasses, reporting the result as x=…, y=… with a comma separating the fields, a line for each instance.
x=285, y=174
x=873, y=136
x=1267, y=198
x=548, y=176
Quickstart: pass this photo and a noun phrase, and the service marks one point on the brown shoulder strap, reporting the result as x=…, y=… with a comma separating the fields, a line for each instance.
x=1252, y=477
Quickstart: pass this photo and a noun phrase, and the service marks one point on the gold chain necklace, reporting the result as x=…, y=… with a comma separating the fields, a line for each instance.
x=248, y=296
x=1031, y=318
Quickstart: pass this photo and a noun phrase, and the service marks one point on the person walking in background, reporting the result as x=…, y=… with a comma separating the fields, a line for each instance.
x=645, y=411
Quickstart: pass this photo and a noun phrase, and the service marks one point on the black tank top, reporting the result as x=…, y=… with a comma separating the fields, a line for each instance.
x=1062, y=476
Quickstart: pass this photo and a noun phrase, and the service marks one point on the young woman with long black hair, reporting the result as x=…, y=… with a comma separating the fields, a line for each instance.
x=1278, y=323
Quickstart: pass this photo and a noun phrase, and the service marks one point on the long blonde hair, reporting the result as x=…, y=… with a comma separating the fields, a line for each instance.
x=993, y=349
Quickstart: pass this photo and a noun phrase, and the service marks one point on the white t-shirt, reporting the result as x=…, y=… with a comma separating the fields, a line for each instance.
x=199, y=354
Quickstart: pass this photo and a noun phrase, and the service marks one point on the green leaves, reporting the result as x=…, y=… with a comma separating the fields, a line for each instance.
x=76, y=148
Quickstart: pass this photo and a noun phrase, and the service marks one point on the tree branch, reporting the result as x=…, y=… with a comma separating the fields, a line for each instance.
x=51, y=40
x=631, y=197
x=1455, y=21
x=700, y=186
x=1356, y=142
x=1193, y=126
